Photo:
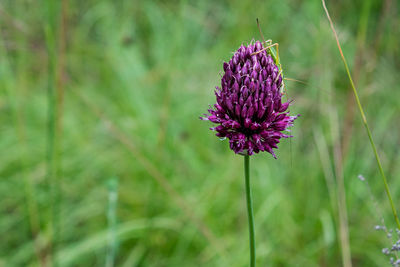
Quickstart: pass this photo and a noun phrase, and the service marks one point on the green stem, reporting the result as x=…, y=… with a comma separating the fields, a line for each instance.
x=371, y=140
x=250, y=212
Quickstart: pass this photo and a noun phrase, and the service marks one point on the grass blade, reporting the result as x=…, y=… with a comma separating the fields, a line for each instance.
x=112, y=221
x=364, y=119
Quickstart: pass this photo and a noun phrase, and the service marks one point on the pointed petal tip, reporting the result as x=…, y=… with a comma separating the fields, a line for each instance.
x=205, y=118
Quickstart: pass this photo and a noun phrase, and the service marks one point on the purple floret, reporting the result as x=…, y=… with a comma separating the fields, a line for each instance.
x=249, y=109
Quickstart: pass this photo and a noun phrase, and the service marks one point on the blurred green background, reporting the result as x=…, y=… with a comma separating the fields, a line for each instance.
x=104, y=160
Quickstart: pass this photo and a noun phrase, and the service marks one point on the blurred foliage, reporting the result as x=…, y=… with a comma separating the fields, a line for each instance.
x=136, y=75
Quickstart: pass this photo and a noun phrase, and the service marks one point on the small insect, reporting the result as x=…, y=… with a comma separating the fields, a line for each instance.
x=273, y=50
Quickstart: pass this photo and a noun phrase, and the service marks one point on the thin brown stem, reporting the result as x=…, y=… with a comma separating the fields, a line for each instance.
x=265, y=48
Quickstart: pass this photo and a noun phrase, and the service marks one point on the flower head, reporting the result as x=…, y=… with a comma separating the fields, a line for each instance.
x=249, y=109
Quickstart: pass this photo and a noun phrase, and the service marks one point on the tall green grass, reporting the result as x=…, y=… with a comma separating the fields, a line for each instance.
x=136, y=77
x=364, y=119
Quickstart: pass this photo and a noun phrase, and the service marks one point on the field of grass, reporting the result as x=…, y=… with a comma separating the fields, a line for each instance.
x=104, y=161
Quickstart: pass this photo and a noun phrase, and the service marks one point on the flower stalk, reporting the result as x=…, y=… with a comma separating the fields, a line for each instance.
x=249, y=201
x=250, y=112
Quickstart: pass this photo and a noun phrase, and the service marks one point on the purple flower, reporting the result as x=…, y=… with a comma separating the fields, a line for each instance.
x=249, y=109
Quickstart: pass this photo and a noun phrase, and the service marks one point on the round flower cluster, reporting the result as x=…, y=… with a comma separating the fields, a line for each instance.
x=249, y=109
